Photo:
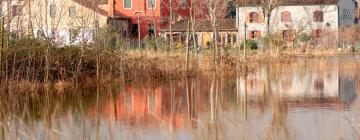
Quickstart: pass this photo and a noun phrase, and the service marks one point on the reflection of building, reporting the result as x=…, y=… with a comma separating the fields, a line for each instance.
x=148, y=107
x=295, y=82
x=347, y=89
x=318, y=86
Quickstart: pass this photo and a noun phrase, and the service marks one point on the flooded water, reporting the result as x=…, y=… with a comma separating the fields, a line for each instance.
x=298, y=99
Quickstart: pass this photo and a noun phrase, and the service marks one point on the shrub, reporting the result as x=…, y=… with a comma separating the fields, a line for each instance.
x=304, y=37
x=250, y=44
x=273, y=41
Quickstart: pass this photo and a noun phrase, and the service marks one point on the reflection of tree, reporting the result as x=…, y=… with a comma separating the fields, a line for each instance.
x=213, y=128
x=213, y=132
x=278, y=129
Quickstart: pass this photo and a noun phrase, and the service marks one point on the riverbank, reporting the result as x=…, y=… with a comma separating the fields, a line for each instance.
x=27, y=66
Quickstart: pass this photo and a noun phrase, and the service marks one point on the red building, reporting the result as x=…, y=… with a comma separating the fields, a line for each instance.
x=150, y=15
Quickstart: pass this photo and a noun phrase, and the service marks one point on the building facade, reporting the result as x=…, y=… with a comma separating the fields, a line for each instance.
x=66, y=22
x=150, y=16
x=314, y=17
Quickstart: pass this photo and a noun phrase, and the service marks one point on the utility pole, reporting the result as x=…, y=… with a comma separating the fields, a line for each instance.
x=139, y=25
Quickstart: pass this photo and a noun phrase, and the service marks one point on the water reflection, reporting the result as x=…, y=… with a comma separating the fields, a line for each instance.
x=295, y=99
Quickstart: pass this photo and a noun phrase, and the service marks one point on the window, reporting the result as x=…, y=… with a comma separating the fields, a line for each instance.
x=15, y=10
x=254, y=17
x=254, y=34
x=134, y=30
x=231, y=8
x=73, y=35
x=285, y=16
x=151, y=4
x=228, y=39
x=127, y=4
x=319, y=84
x=183, y=4
x=40, y=34
x=151, y=30
x=318, y=16
x=52, y=10
x=287, y=35
x=318, y=33
x=234, y=38
x=72, y=11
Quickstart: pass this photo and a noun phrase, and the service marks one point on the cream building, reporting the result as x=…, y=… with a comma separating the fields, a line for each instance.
x=315, y=17
x=67, y=22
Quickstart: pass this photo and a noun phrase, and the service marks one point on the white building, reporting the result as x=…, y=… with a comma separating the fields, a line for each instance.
x=314, y=17
x=67, y=22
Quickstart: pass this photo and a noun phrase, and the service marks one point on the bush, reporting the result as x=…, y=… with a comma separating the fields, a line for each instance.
x=304, y=37
x=250, y=44
x=273, y=41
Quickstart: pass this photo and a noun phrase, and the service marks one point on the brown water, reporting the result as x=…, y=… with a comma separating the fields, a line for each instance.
x=312, y=99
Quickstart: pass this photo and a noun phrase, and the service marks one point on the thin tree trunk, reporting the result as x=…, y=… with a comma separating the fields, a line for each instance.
x=155, y=27
x=187, y=45
x=7, y=47
x=245, y=44
x=31, y=28
x=47, y=53
x=215, y=41
x=2, y=45
x=193, y=25
x=97, y=42
x=78, y=69
x=47, y=63
x=170, y=25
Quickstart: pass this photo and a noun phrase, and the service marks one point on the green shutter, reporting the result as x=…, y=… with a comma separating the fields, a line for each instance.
x=127, y=3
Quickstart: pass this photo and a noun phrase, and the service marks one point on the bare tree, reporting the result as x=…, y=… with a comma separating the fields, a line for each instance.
x=267, y=7
x=216, y=11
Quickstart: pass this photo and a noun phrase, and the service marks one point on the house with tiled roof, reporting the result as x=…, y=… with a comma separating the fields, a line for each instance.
x=317, y=18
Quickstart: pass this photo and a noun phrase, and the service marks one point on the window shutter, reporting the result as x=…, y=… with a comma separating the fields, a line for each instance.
x=257, y=34
x=318, y=33
x=314, y=33
x=251, y=34
x=261, y=18
x=318, y=16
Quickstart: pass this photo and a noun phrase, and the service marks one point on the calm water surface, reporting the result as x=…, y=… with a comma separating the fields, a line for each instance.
x=299, y=99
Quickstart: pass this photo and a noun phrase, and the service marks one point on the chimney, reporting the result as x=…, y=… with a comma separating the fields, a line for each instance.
x=111, y=8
